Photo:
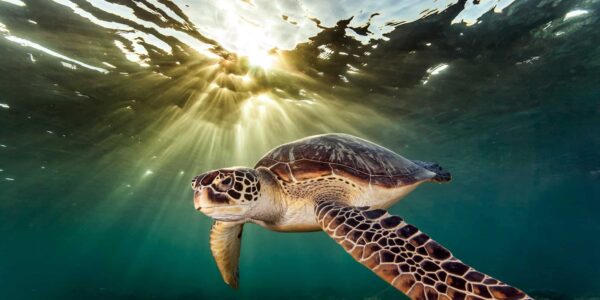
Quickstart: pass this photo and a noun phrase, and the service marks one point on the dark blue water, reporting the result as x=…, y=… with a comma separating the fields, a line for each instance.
x=109, y=108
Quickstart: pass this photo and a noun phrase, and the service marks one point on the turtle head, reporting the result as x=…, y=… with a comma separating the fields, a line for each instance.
x=226, y=194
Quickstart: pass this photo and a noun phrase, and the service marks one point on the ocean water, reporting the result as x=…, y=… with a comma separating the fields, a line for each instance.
x=108, y=108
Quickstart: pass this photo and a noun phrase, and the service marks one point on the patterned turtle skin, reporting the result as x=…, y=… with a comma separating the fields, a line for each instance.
x=340, y=184
x=407, y=258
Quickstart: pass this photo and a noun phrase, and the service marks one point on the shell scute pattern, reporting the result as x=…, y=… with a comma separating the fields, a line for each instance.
x=306, y=169
x=312, y=188
x=405, y=257
x=342, y=155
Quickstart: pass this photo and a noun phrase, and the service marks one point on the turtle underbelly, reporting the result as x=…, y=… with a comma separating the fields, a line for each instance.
x=382, y=197
x=300, y=216
x=301, y=196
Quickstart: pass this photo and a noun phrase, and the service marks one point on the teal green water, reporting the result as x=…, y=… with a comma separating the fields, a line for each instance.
x=109, y=108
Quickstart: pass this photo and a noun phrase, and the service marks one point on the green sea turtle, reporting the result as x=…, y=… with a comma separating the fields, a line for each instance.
x=342, y=185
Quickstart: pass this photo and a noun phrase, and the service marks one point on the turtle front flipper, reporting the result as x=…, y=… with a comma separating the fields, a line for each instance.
x=405, y=257
x=225, y=242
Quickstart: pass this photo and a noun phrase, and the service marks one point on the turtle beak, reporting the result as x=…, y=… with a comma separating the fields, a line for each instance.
x=198, y=194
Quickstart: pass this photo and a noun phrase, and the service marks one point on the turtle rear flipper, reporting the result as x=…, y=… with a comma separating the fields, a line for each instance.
x=441, y=174
x=225, y=243
x=405, y=257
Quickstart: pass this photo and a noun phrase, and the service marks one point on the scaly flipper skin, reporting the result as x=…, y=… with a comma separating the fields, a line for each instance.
x=405, y=257
x=225, y=242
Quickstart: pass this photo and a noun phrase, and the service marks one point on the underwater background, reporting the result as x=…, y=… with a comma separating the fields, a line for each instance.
x=108, y=108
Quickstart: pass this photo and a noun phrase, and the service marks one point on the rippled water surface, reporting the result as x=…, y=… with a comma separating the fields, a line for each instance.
x=109, y=107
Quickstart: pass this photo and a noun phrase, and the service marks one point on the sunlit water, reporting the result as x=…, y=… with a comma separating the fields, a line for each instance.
x=109, y=107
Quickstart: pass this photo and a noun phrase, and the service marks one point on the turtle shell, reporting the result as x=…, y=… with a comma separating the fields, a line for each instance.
x=349, y=157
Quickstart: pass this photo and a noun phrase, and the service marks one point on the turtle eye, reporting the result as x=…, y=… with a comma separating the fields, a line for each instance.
x=224, y=184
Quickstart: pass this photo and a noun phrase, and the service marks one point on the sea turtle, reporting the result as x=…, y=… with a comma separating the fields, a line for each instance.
x=342, y=185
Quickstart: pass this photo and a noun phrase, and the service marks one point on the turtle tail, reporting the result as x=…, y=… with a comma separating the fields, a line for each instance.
x=441, y=175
